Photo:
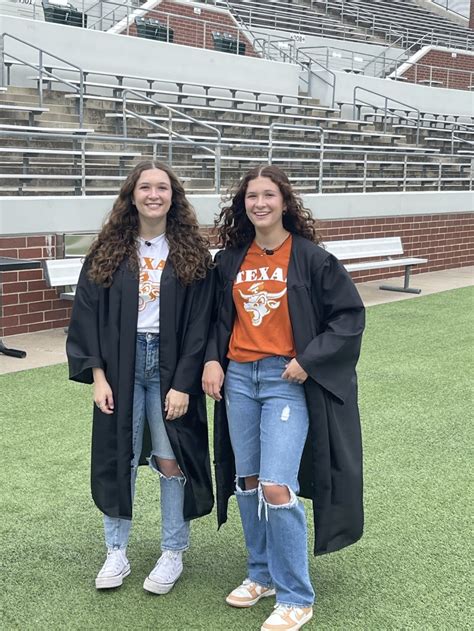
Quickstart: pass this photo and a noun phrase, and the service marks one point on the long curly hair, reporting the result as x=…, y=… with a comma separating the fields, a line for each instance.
x=234, y=229
x=118, y=239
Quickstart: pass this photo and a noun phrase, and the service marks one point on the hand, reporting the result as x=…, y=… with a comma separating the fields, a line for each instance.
x=294, y=372
x=212, y=380
x=176, y=404
x=103, y=397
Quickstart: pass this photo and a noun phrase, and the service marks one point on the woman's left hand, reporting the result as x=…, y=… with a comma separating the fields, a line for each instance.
x=294, y=372
x=176, y=404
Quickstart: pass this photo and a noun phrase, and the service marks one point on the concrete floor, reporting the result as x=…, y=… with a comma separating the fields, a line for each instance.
x=47, y=347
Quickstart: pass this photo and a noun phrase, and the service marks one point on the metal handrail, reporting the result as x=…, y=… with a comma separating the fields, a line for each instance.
x=384, y=54
x=305, y=65
x=172, y=133
x=42, y=70
x=318, y=130
x=85, y=138
x=386, y=100
x=381, y=24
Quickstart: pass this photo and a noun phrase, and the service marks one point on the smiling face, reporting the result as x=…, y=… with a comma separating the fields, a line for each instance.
x=264, y=205
x=152, y=197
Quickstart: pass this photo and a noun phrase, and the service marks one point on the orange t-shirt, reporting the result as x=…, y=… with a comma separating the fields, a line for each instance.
x=262, y=325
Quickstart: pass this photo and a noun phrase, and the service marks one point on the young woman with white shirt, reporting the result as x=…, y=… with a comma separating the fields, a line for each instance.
x=138, y=331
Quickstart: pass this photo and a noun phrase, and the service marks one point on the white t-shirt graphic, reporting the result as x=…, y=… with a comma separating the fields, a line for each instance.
x=152, y=260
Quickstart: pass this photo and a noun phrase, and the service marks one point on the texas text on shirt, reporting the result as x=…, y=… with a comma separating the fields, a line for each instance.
x=260, y=297
x=152, y=256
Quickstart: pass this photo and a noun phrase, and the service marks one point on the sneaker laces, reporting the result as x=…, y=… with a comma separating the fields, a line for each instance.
x=282, y=609
x=166, y=564
x=113, y=563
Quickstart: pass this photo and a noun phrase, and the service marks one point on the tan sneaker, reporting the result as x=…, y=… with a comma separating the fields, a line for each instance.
x=248, y=594
x=287, y=618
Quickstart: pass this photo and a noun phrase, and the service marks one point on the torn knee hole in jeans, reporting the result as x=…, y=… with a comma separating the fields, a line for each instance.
x=240, y=485
x=154, y=467
x=263, y=502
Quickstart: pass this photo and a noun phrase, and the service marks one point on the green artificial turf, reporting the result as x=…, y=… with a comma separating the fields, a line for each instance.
x=410, y=570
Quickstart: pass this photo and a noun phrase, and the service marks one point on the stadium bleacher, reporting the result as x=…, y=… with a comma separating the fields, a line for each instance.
x=69, y=131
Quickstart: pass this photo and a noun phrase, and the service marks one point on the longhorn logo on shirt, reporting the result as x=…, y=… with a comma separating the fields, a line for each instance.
x=260, y=303
x=149, y=291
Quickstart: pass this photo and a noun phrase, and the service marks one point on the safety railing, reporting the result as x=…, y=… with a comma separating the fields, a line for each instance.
x=389, y=27
x=119, y=17
x=41, y=68
x=306, y=128
x=172, y=134
x=357, y=102
x=80, y=140
x=350, y=60
x=407, y=163
x=272, y=48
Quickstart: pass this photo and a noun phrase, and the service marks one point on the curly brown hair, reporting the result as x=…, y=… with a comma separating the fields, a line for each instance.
x=234, y=228
x=188, y=249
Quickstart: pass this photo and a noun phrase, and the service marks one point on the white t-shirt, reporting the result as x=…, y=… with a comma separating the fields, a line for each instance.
x=152, y=260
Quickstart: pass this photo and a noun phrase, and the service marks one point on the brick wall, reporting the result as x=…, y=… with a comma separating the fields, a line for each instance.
x=191, y=29
x=471, y=16
x=27, y=305
x=447, y=240
x=440, y=65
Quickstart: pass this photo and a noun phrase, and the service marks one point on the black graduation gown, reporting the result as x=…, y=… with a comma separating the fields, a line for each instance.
x=327, y=319
x=102, y=333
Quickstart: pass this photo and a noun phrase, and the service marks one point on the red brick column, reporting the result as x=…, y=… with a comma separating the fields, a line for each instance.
x=471, y=16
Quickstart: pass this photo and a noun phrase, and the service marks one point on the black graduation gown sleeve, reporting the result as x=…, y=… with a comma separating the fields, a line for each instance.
x=201, y=298
x=212, y=348
x=83, y=345
x=330, y=357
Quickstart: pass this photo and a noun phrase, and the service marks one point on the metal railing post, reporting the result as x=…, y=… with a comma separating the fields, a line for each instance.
x=83, y=166
x=124, y=115
x=321, y=160
x=364, y=184
x=405, y=165
x=170, y=138
x=40, y=85
x=2, y=61
x=81, y=97
x=217, y=168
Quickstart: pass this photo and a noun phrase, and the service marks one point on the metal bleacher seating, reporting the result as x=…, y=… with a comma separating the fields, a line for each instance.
x=358, y=154
x=388, y=20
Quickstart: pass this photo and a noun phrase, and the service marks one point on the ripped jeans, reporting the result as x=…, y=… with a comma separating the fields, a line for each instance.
x=268, y=425
x=147, y=405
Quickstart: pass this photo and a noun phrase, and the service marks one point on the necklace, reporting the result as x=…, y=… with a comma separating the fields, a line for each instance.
x=271, y=251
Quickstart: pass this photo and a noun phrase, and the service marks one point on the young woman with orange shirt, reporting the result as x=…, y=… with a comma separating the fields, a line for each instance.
x=280, y=365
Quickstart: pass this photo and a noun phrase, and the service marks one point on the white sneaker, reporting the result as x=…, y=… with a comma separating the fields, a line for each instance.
x=114, y=570
x=248, y=594
x=166, y=572
x=287, y=618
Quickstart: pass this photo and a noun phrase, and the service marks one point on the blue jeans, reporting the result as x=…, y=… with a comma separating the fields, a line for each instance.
x=147, y=405
x=268, y=425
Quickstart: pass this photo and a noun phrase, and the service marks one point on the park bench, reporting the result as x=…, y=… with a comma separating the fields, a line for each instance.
x=63, y=273
x=387, y=247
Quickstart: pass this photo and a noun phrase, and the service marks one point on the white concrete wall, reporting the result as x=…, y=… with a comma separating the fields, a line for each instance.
x=108, y=52
x=423, y=97
x=36, y=215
